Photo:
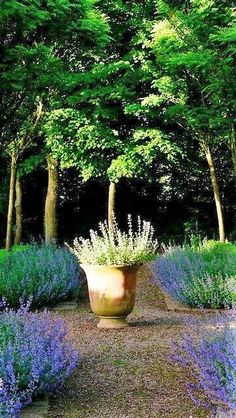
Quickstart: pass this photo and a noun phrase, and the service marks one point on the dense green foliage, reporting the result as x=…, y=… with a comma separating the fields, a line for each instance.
x=195, y=57
x=200, y=275
x=93, y=130
x=123, y=90
x=40, y=42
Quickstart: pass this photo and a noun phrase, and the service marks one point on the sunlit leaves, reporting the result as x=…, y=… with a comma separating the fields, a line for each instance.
x=146, y=146
x=195, y=65
x=80, y=142
x=42, y=44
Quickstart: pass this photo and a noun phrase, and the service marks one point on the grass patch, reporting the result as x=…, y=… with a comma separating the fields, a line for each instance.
x=4, y=253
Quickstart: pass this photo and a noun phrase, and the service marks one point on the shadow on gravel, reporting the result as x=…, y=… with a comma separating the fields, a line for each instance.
x=158, y=321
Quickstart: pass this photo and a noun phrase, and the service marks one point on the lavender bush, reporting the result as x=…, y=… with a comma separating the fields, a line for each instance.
x=199, y=277
x=45, y=274
x=212, y=357
x=34, y=358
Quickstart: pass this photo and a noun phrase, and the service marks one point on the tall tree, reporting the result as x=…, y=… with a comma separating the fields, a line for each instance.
x=15, y=149
x=95, y=132
x=41, y=43
x=190, y=64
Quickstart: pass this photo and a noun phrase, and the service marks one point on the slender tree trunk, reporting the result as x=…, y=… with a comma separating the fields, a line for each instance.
x=18, y=211
x=215, y=187
x=11, y=203
x=50, y=216
x=233, y=154
x=111, y=204
x=233, y=148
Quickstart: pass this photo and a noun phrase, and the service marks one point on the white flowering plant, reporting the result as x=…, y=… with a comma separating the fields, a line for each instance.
x=111, y=246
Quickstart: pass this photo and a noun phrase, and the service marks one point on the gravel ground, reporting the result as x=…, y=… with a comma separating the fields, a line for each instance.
x=127, y=373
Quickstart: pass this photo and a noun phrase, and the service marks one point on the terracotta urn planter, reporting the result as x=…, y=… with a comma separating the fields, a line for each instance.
x=112, y=293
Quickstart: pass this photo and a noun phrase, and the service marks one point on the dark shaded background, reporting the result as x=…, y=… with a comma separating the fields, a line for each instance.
x=175, y=207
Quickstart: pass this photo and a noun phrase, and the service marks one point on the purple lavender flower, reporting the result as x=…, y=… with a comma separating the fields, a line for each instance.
x=45, y=274
x=205, y=277
x=34, y=358
x=211, y=354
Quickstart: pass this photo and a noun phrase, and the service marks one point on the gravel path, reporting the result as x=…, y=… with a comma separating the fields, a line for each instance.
x=127, y=373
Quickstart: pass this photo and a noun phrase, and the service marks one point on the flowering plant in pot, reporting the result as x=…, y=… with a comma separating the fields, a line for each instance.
x=111, y=259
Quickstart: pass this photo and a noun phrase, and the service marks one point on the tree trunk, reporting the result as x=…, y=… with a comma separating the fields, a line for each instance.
x=233, y=148
x=11, y=203
x=233, y=154
x=50, y=216
x=111, y=205
x=18, y=210
x=216, y=192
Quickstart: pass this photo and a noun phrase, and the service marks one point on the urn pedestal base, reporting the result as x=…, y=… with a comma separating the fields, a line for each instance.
x=112, y=322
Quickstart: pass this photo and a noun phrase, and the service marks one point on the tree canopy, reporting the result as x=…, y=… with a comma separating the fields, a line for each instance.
x=121, y=91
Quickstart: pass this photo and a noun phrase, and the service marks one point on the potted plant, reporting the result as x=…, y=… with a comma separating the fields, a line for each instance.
x=111, y=260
